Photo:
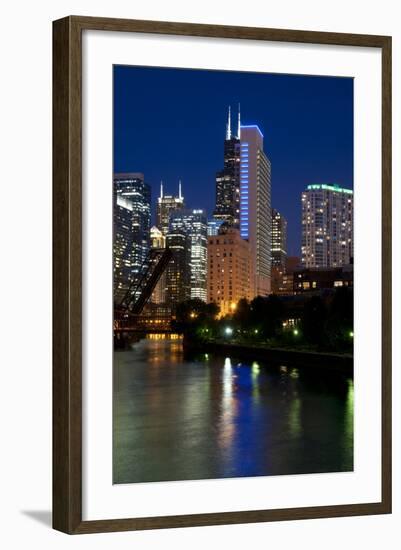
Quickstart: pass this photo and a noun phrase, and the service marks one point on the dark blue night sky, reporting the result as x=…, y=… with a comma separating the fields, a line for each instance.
x=170, y=125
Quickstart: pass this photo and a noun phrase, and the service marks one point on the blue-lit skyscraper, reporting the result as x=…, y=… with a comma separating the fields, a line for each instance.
x=255, y=205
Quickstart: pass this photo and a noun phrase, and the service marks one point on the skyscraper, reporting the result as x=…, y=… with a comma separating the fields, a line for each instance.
x=166, y=205
x=227, y=179
x=178, y=275
x=158, y=241
x=122, y=246
x=255, y=205
x=229, y=269
x=194, y=224
x=132, y=202
x=327, y=226
x=213, y=227
x=279, y=240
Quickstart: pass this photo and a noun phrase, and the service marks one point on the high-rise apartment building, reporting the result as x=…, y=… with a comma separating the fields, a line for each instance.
x=178, y=274
x=327, y=226
x=279, y=240
x=255, y=206
x=227, y=179
x=131, y=220
x=194, y=224
x=166, y=205
x=229, y=269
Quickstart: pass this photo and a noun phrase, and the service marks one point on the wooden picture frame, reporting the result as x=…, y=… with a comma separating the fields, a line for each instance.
x=67, y=274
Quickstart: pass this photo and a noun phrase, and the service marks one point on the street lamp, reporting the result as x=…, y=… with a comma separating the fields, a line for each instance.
x=295, y=332
x=228, y=331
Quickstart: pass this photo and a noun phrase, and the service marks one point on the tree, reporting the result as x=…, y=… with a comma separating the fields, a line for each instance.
x=267, y=315
x=193, y=316
x=242, y=313
x=313, y=320
x=274, y=312
x=341, y=318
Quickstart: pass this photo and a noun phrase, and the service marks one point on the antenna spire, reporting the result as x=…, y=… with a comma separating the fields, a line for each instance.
x=228, y=132
x=179, y=189
x=239, y=121
x=161, y=189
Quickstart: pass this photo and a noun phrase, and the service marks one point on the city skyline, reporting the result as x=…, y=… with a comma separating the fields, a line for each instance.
x=190, y=149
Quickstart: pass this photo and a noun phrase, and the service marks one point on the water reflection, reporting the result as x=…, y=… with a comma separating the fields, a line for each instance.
x=210, y=417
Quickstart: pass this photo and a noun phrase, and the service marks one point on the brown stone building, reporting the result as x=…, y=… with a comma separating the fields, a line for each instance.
x=229, y=269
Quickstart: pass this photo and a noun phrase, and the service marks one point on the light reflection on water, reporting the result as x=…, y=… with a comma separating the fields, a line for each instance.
x=213, y=417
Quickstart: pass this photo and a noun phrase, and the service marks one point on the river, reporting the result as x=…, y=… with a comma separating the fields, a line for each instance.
x=215, y=417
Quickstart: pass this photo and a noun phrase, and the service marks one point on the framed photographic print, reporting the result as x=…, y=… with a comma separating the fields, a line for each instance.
x=222, y=275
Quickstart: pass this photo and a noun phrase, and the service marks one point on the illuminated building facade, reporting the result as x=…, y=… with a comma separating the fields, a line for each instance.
x=228, y=179
x=255, y=206
x=213, y=227
x=279, y=240
x=122, y=246
x=131, y=221
x=166, y=205
x=158, y=241
x=318, y=279
x=327, y=226
x=229, y=269
x=194, y=224
x=178, y=274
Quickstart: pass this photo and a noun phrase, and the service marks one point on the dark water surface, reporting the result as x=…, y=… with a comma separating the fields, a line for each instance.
x=216, y=417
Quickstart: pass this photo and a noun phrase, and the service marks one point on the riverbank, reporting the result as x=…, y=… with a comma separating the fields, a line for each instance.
x=299, y=358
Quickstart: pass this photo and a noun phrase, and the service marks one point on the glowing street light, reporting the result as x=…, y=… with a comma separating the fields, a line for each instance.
x=228, y=331
x=351, y=334
x=256, y=331
x=295, y=332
